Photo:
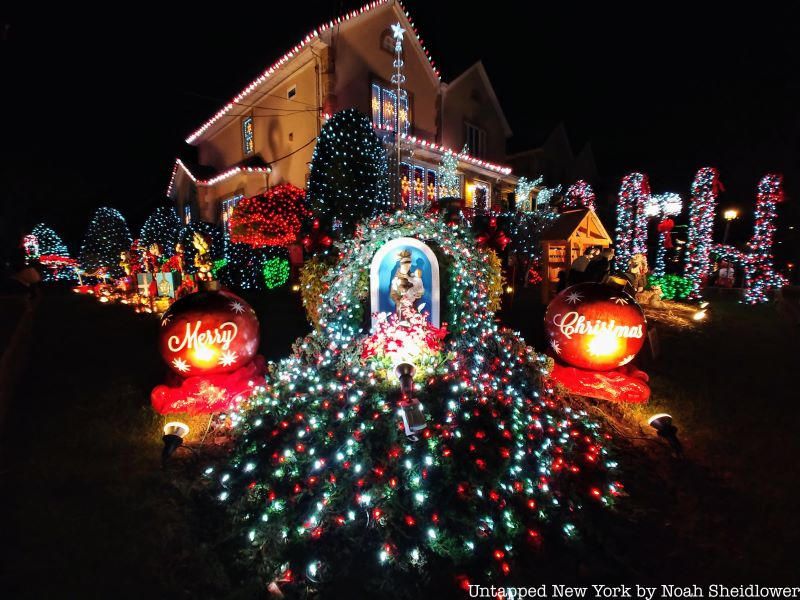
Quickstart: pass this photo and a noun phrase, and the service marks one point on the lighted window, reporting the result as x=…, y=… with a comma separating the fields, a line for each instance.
x=475, y=140
x=417, y=185
x=479, y=196
x=385, y=107
x=248, y=141
x=187, y=213
x=227, y=211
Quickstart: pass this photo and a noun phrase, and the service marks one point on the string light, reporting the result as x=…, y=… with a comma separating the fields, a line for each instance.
x=273, y=218
x=705, y=189
x=46, y=246
x=631, y=233
x=286, y=58
x=106, y=238
x=349, y=173
x=161, y=227
x=760, y=276
x=322, y=453
x=580, y=195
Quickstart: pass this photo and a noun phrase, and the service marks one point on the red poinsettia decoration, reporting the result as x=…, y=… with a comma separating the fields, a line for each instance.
x=404, y=340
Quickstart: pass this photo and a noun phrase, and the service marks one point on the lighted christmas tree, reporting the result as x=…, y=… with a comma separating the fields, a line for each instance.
x=349, y=177
x=106, y=238
x=447, y=176
x=50, y=243
x=161, y=227
x=705, y=188
x=328, y=484
x=52, y=253
x=760, y=276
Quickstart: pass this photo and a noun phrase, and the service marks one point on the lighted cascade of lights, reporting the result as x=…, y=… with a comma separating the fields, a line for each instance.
x=705, y=189
x=760, y=276
x=323, y=465
x=398, y=79
x=663, y=206
x=580, y=195
x=631, y=232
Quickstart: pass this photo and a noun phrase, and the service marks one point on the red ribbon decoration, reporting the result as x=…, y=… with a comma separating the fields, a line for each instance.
x=493, y=237
x=316, y=240
x=665, y=227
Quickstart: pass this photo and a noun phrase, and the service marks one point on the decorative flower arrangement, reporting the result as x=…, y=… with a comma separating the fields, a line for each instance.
x=413, y=340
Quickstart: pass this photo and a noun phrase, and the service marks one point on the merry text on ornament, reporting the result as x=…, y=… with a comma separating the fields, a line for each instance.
x=194, y=339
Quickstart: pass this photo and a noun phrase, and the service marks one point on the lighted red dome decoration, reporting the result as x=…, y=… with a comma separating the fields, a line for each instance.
x=272, y=219
x=208, y=333
x=595, y=326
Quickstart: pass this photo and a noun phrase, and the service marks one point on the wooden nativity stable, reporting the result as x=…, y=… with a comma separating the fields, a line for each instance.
x=565, y=240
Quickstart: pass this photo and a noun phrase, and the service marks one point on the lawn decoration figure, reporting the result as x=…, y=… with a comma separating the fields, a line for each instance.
x=202, y=260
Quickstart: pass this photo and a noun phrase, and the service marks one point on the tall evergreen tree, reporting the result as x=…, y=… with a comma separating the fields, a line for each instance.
x=349, y=172
x=162, y=228
x=106, y=237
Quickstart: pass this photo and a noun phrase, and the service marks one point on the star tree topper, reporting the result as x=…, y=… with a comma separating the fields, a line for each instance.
x=397, y=34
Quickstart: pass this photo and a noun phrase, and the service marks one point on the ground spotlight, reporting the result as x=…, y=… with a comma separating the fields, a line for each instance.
x=174, y=432
x=662, y=423
x=699, y=315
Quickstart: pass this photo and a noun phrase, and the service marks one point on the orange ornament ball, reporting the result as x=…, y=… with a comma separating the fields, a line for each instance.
x=595, y=326
x=208, y=332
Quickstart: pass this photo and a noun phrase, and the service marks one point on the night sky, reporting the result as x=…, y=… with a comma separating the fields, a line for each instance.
x=96, y=104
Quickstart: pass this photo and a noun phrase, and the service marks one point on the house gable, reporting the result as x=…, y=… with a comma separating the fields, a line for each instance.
x=470, y=101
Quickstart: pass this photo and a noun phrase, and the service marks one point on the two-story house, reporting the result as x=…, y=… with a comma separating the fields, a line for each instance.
x=266, y=134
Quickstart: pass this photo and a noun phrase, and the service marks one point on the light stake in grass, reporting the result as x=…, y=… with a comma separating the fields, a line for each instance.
x=174, y=432
x=413, y=417
x=662, y=423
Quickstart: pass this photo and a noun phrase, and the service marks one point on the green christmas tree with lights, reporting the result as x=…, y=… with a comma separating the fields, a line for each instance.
x=161, y=227
x=106, y=237
x=449, y=181
x=326, y=489
x=349, y=178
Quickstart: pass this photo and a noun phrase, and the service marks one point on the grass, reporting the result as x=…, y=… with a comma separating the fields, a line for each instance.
x=89, y=513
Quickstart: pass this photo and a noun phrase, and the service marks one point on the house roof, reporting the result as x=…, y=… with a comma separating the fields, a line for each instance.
x=312, y=36
x=569, y=222
x=484, y=76
x=203, y=176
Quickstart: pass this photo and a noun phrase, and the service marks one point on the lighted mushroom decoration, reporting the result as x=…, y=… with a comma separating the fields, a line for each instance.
x=208, y=333
x=595, y=326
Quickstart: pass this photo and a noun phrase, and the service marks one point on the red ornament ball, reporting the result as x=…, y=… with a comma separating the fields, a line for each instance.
x=208, y=332
x=595, y=326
